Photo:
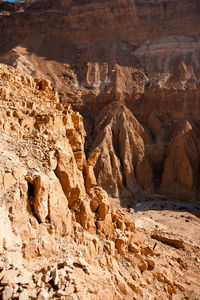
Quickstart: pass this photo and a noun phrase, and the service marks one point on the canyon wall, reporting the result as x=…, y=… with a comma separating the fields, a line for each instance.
x=60, y=235
x=132, y=69
x=103, y=100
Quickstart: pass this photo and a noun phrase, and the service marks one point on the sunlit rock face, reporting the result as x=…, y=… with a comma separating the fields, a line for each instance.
x=124, y=123
x=120, y=63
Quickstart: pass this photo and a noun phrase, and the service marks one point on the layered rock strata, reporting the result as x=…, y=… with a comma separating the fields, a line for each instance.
x=59, y=229
x=142, y=56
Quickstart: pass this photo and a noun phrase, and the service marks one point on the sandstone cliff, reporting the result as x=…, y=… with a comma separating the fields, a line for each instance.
x=59, y=229
x=142, y=56
x=131, y=68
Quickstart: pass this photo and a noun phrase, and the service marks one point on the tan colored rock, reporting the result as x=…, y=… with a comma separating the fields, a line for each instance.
x=24, y=295
x=30, y=250
x=134, y=248
x=106, y=226
x=121, y=285
x=130, y=225
x=90, y=179
x=170, y=240
x=110, y=246
x=48, y=247
x=41, y=196
x=86, y=216
x=24, y=279
x=66, y=171
x=143, y=168
x=122, y=143
x=10, y=277
x=151, y=262
x=59, y=213
x=121, y=244
x=153, y=79
x=43, y=295
x=92, y=160
x=166, y=277
x=5, y=94
x=181, y=163
x=25, y=152
x=101, y=206
x=7, y=293
x=75, y=139
x=147, y=251
x=9, y=181
x=143, y=266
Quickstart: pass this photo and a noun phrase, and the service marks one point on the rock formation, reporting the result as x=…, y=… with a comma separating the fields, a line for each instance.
x=123, y=162
x=140, y=55
x=103, y=101
x=51, y=205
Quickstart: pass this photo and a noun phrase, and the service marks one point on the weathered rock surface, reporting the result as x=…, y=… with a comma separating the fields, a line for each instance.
x=60, y=236
x=53, y=213
x=123, y=163
x=140, y=57
x=132, y=69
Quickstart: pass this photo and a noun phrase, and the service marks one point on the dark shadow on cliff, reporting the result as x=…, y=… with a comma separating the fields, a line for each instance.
x=54, y=29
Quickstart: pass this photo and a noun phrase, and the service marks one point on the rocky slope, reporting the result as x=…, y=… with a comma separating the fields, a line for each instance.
x=122, y=64
x=61, y=237
x=131, y=68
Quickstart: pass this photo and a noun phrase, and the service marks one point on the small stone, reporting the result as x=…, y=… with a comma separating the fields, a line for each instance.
x=33, y=294
x=147, y=251
x=23, y=295
x=55, y=276
x=151, y=262
x=134, y=248
x=23, y=279
x=31, y=285
x=60, y=293
x=46, y=278
x=86, y=270
x=131, y=210
x=43, y=295
x=69, y=263
x=121, y=245
x=68, y=270
x=82, y=262
x=143, y=266
x=62, y=273
x=10, y=277
x=7, y=293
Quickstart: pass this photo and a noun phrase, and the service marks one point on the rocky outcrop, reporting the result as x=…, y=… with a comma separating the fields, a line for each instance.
x=132, y=69
x=128, y=156
x=123, y=162
x=137, y=55
x=61, y=235
x=52, y=211
x=181, y=163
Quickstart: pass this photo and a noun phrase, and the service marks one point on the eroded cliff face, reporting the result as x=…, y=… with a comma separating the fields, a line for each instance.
x=61, y=236
x=131, y=66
